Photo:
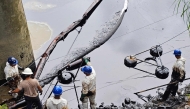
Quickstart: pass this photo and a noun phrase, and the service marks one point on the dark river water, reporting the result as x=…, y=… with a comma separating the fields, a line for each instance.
x=147, y=23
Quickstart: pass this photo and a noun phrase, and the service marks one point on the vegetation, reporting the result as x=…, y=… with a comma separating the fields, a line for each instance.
x=4, y=106
x=185, y=13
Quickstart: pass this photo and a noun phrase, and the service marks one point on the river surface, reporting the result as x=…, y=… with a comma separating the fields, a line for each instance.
x=146, y=23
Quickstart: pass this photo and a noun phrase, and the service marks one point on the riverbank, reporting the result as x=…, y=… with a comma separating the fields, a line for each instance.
x=40, y=33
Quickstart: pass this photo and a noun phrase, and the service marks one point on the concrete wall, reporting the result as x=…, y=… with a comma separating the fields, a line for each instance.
x=14, y=35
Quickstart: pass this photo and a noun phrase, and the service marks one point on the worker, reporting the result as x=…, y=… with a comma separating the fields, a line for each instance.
x=88, y=85
x=57, y=102
x=178, y=75
x=12, y=72
x=31, y=88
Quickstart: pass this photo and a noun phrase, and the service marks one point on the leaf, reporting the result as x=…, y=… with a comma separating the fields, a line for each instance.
x=4, y=106
x=185, y=11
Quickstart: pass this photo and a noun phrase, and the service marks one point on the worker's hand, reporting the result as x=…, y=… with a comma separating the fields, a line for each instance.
x=86, y=59
x=180, y=80
x=81, y=98
x=41, y=93
x=10, y=78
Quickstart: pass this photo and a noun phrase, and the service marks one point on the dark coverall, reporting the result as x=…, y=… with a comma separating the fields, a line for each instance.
x=178, y=75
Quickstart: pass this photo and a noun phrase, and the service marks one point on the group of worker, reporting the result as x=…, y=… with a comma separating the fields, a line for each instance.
x=23, y=82
x=31, y=86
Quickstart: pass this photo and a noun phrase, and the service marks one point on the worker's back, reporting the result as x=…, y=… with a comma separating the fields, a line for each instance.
x=53, y=103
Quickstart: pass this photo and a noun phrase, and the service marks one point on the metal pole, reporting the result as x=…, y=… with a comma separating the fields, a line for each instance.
x=76, y=94
x=144, y=71
x=75, y=86
x=140, y=97
x=159, y=86
x=148, y=62
x=159, y=55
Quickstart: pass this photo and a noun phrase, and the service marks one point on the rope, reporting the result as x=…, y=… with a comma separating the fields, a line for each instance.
x=174, y=37
x=178, y=48
x=34, y=61
x=70, y=47
x=52, y=89
x=46, y=91
x=74, y=40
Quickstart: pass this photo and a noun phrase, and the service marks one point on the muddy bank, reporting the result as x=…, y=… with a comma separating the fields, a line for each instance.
x=39, y=34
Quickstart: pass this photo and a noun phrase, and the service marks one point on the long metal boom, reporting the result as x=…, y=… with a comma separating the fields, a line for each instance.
x=63, y=35
x=103, y=35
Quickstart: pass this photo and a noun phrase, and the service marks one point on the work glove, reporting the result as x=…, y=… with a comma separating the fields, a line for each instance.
x=82, y=97
x=180, y=80
x=90, y=93
x=86, y=59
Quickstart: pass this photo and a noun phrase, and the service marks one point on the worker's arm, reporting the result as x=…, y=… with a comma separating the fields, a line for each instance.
x=8, y=75
x=84, y=87
x=87, y=61
x=182, y=76
x=19, y=88
x=16, y=90
x=19, y=67
x=39, y=87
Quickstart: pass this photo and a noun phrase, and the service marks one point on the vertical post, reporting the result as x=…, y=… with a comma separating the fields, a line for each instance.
x=159, y=55
x=14, y=35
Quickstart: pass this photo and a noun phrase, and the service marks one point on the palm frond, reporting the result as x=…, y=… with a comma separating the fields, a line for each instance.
x=185, y=13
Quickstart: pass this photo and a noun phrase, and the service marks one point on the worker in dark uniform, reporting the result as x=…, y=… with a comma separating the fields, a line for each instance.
x=178, y=75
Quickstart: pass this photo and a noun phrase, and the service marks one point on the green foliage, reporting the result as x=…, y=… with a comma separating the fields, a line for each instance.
x=185, y=13
x=4, y=106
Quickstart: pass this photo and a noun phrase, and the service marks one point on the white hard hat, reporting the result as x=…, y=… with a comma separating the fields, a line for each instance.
x=27, y=71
